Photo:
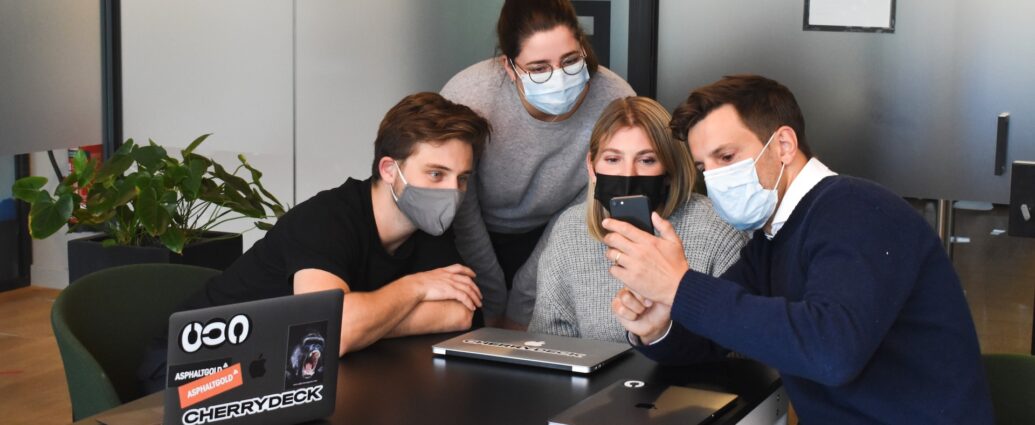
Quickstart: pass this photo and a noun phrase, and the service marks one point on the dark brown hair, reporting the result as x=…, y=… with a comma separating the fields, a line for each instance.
x=519, y=19
x=764, y=105
x=427, y=118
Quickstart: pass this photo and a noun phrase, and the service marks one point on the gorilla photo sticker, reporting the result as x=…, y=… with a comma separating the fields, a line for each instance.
x=305, y=355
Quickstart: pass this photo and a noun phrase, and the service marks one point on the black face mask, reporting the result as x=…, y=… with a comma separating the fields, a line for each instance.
x=655, y=188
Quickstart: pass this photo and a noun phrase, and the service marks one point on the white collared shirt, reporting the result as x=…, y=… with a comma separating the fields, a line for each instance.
x=811, y=174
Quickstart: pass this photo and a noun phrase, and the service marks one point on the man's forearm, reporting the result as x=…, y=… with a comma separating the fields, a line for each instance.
x=433, y=317
x=369, y=316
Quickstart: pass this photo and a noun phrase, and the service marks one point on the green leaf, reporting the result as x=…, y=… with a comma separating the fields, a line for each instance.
x=159, y=184
x=239, y=203
x=92, y=218
x=256, y=174
x=115, y=166
x=195, y=157
x=273, y=202
x=126, y=147
x=177, y=173
x=278, y=210
x=263, y=226
x=64, y=188
x=108, y=243
x=193, y=145
x=170, y=197
x=28, y=188
x=210, y=192
x=149, y=157
x=48, y=215
x=173, y=239
x=100, y=198
x=230, y=179
x=153, y=216
x=195, y=171
x=127, y=191
x=87, y=172
x=79, y=161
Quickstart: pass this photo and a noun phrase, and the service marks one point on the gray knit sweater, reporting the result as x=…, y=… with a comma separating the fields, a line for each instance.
x=530, y=172
x=576, y=289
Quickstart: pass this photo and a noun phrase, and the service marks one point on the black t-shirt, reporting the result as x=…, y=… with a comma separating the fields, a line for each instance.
x=333, y=231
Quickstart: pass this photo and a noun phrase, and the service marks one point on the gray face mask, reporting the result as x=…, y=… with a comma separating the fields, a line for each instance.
x=431, y=210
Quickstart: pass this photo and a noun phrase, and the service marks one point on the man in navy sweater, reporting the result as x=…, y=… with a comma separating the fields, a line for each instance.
x=843, y=288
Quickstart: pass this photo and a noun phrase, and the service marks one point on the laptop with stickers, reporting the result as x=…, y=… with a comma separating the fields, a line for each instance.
x=266, y=361
x=550, y=351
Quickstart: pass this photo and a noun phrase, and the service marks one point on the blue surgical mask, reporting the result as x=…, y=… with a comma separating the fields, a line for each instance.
x=557, y=95
x=737, y=195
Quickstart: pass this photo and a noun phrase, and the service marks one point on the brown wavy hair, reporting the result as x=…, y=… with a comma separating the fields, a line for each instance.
x=427, y=118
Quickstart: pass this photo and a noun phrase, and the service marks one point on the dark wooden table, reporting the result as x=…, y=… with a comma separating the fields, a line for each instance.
x=399, y=381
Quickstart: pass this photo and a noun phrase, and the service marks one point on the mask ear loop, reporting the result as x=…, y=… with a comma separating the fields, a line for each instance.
x=782, y=165
x=513, y=67
x=398, y=172
x=764, y=148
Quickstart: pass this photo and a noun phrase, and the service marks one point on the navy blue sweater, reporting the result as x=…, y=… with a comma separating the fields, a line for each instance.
x=854, y=302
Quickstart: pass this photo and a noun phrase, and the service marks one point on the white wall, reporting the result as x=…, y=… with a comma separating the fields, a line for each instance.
x=355, y=60
x=50, y=74
x=224, y=67
x=50, y=256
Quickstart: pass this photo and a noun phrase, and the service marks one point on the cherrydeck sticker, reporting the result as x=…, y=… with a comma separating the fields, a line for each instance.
x=305, y=355
x=252, y=406
x=183, y=373
x=210, y=386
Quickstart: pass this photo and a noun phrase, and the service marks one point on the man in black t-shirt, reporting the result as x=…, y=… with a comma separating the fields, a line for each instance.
x=385, y=241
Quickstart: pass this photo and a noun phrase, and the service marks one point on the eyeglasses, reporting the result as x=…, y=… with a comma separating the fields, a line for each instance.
x=540, y=73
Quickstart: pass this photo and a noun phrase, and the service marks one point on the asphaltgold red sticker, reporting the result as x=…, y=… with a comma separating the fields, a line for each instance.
x=210, y=386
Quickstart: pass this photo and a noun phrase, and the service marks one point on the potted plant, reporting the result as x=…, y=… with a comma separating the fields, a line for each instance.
x=149, y=207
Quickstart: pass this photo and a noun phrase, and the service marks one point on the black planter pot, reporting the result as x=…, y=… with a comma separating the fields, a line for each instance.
x=86, y=255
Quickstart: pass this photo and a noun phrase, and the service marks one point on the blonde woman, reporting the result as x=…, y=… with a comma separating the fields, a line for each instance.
x=631, y=152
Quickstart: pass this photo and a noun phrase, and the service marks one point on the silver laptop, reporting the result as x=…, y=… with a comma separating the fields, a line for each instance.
x=636, y=402
x=551, y=351
x=261, y=362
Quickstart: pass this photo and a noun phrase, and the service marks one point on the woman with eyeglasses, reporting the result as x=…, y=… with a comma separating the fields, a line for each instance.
x=542, y=94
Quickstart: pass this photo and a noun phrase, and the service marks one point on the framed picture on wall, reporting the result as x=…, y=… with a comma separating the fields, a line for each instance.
x=850, y=15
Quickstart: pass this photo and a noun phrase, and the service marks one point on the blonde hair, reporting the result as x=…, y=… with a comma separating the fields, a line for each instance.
x=673, y=154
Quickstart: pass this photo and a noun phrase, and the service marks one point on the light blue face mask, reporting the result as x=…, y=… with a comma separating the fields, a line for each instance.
x=557, y=95
x=737, y=195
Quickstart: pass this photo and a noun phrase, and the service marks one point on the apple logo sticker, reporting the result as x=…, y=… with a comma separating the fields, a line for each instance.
x=257, y=368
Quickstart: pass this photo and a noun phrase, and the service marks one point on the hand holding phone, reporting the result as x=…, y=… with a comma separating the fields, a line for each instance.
x=633, y=210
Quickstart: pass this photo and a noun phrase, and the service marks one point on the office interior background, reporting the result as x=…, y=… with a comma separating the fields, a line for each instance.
x=299, y=87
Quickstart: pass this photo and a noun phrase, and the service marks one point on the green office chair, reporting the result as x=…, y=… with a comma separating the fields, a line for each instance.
x=1012, y=380
x=105, y=320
